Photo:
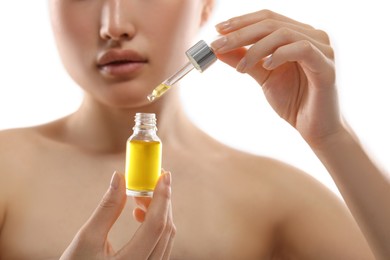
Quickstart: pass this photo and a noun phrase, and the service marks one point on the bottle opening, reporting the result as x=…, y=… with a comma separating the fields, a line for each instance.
x=145, y=121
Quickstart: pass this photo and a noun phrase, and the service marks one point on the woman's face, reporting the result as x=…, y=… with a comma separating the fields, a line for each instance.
x=119, y=50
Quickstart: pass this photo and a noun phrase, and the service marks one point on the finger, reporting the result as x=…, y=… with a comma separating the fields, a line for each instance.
x=269, y=44
x=242, y=21
x=233, y=57
x=165, y=243
x=139, y=215
x=108, y=211
x=255, y=32
x=143, y=202
x=169, y=246
x=149, y=233
x=143, y=205
x=318, y=68
x=248, y=29
x=172, y=235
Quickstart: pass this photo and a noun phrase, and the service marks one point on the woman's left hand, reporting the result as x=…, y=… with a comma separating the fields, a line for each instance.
x=294, y=64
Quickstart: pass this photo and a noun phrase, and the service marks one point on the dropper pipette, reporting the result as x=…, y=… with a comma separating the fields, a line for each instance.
x=200, y=56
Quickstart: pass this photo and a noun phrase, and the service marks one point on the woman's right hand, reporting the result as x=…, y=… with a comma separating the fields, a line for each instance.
x=153, y=239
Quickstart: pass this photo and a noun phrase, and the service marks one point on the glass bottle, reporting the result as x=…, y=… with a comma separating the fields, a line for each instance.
x=143, y=156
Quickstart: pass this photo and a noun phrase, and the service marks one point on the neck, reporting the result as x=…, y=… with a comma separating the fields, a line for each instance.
x=105, y=129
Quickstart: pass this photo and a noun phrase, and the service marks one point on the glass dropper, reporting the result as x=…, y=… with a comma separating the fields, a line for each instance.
x=200, y=56
x=166, y=85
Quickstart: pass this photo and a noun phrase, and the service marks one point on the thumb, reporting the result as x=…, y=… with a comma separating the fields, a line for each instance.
x=109, y=209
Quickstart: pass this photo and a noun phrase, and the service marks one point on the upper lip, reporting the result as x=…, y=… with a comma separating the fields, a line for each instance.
x=118, y=56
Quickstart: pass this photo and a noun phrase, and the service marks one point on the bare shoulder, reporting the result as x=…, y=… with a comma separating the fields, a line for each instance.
x=23, y=146
x=20, y=148
x=16, y=145
x=12, y=153
x=19, y=142
x=11, y=137
x=310, y=221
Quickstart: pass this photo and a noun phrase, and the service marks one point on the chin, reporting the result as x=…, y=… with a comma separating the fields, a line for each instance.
x=127, y=94
x=128, y=100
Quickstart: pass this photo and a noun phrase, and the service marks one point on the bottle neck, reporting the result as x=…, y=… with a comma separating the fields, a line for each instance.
x=145, y=126
x=145, y=121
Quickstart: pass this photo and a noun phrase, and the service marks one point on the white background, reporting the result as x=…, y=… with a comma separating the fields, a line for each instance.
x=34, y=88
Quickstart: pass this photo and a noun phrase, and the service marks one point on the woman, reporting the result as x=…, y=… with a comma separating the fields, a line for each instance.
x=227, y=204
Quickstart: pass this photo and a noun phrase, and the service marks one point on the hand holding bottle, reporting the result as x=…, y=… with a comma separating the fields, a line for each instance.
x=294, y=64
x=153, y=239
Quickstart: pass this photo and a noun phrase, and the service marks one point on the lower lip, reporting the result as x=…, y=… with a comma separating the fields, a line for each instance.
x=123, y=69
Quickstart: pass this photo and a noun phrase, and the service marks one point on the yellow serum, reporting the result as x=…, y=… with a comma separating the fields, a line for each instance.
x=158, y=91
x=143, y=166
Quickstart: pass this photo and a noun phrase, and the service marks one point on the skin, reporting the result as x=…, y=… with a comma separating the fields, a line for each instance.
x=226, y=204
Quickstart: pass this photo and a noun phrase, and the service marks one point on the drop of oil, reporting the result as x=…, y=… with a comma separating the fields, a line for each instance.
x=151, y=97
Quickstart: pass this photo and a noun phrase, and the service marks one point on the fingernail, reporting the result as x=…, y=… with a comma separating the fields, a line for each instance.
x=167, y=178
x=219, y=43
x=241, y=66
x=115, y=181
x=224, y=26
x=267, y=62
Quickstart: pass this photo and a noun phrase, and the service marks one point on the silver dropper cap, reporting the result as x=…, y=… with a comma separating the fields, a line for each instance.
x=201, y=56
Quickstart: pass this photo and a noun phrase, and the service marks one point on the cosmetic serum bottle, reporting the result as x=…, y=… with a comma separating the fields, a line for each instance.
x=143, y=157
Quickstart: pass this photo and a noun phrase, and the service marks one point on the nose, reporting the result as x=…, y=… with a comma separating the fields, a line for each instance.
x=116, y=21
